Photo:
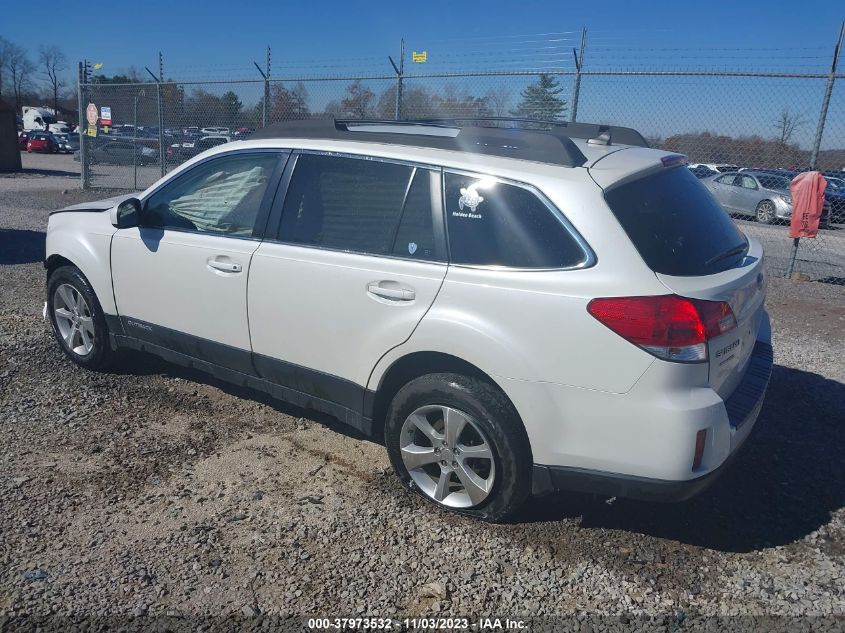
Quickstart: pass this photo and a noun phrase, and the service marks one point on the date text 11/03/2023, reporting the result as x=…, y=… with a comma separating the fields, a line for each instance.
x=417, y=624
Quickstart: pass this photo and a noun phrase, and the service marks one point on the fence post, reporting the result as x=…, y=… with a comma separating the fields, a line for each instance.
x=400, y=71
x=84, y=180
x=831, y=78
x=817, y=141
x=162, y=154
x=267, y=89
x=160, y=114
x=266, y=75
x=579, y=62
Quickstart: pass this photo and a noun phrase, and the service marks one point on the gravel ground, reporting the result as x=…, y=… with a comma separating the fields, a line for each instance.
x=155, y=491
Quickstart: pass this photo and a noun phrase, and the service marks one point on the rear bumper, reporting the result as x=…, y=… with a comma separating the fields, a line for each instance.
x=741, y=410
x=548, y=479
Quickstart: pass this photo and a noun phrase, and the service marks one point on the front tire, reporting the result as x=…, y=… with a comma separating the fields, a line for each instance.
x=458, y=442
x=765, y=212
x=79, y=324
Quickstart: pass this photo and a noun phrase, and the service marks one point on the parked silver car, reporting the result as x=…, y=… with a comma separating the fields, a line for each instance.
x=765, y=196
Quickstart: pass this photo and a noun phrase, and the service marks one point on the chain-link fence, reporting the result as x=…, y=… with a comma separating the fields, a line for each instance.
x=769, y=124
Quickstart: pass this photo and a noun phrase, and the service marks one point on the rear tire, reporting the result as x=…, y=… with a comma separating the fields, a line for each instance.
x=458, y=442
x=78, y=322
x=765, y=212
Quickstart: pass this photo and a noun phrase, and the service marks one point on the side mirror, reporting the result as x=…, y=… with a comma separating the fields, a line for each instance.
x=127, y=214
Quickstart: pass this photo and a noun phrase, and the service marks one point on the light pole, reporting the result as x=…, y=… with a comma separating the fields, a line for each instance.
x=135, y=139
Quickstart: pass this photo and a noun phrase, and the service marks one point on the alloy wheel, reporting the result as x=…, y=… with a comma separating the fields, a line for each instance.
x=448, y=456
x=74, y=320
x=765, y=212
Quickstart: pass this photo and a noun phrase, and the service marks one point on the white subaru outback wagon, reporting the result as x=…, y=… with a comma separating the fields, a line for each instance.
x=513, y=310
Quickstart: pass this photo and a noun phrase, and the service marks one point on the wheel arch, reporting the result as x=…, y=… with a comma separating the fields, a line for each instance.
x=56, y=261
x=413, y=365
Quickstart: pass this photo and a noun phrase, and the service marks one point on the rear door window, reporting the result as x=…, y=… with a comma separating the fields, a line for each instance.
x=492, y=223
x=747, y=182
x=676, y=224
x=360, y=205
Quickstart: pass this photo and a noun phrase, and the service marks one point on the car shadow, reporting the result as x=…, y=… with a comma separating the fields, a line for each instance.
x=59, y=173
x=144, y=364
x=784, y=485
x=19, y=246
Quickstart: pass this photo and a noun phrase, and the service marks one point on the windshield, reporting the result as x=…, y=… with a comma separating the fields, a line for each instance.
x=676, y=224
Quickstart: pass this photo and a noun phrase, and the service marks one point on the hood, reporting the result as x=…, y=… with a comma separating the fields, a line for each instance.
x=96, y=205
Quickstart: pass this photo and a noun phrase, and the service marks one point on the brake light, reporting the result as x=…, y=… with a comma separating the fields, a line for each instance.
x=670, y=327
x=673, y=160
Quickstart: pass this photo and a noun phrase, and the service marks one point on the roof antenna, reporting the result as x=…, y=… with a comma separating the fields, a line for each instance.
x=603, y=138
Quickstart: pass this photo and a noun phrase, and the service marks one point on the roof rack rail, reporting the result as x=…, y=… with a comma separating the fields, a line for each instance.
x=595, y=133
x=545, y=146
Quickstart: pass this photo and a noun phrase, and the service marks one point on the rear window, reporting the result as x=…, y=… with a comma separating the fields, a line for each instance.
x=492, y=223
x=676, y=224
x=773, y=182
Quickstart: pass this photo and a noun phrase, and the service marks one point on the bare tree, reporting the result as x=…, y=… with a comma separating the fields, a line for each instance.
x=357, y=103
x=786, y=125
x=499, y=100
x=53, y=63
x=20, y=72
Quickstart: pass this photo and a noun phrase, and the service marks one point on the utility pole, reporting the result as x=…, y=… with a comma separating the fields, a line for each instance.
x=579, y=64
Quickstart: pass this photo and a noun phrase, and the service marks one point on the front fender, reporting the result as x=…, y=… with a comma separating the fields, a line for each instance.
x=85, y=240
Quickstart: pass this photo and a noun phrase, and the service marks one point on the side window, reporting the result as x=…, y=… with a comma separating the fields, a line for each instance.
x=496, y=224
x=220, y=196
x=726, y=180
x=748, y=182
x=356, y=205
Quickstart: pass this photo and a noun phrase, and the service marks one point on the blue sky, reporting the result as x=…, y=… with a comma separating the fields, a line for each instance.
x=213, y=39
x=120, y=33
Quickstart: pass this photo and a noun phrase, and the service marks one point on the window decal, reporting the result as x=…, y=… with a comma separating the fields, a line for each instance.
x=470, y=198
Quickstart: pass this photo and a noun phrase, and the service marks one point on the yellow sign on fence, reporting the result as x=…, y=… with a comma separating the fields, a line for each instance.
x=420, y=58
x=92, y=130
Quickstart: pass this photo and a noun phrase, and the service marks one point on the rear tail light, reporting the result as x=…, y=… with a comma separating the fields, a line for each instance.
x=670, y=327
x=673, y=160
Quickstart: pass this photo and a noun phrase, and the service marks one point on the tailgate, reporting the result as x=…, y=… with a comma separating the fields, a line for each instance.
x=743, y=288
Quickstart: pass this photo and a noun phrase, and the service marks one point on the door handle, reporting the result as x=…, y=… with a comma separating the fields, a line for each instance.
x=224, y=265
x=391, y=290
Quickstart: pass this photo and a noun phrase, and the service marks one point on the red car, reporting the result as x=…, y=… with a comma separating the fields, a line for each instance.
x=42, y=142
x=23, y=138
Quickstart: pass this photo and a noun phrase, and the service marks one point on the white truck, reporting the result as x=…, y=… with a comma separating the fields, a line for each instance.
x=43, y=118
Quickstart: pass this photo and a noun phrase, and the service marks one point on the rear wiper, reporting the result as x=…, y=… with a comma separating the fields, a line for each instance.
x=736, y=250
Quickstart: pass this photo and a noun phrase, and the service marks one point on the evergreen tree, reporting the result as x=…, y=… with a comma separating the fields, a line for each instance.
x=231, y=107
x=540, y=100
